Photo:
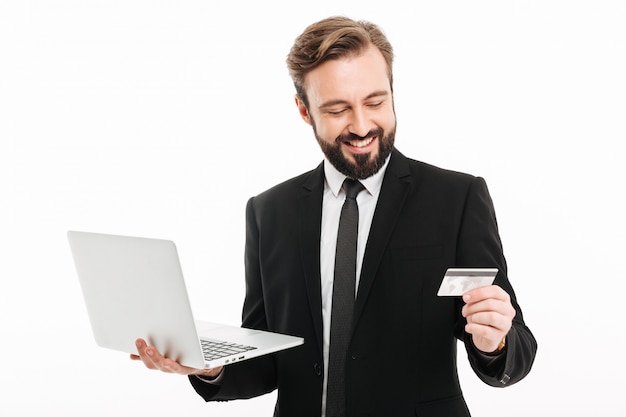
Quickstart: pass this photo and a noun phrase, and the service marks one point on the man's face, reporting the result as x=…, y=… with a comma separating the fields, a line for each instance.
x=351, y=112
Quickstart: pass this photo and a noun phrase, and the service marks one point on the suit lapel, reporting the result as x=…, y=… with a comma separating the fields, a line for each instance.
x=395, y=188
x=309, y=232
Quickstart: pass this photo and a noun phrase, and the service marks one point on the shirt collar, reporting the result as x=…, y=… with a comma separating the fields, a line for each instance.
x=334, y=178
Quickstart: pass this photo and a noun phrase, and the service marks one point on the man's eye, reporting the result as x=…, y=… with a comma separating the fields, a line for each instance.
x=336, y=112
x=375, y=105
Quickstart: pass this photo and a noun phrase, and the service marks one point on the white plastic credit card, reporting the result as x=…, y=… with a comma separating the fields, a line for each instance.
x=458, y=281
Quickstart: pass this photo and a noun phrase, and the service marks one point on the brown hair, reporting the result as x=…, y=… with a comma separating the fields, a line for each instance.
x=334, y=38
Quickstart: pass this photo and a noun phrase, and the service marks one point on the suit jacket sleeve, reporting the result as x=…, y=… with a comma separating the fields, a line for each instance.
x=253, y=377
x=479, y=245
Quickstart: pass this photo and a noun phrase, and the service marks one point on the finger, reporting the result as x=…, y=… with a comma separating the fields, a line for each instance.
x=170, y=366
x=505, y=308
x=145, y=353
x=153, y=359
x=489, y=319
x=483, y=293
x=489, y=304
x=484, y=331
x=157, y=360
x=485, y=338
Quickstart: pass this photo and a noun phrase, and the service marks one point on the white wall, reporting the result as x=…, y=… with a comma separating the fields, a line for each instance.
x=160, y=118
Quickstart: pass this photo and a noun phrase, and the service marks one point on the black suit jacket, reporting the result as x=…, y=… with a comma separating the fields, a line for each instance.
x=402, y=357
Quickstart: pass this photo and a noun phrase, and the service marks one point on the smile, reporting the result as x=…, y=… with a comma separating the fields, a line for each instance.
x=361, y=143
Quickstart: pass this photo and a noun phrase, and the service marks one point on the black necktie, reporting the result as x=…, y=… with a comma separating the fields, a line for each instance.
x=343, y=300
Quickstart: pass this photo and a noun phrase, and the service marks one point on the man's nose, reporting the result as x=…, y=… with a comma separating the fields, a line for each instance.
x=359, y=124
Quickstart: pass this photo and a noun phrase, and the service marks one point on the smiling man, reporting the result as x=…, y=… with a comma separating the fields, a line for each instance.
x=378, y=339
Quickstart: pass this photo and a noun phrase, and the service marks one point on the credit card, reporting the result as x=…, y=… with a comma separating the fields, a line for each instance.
x=458, y=281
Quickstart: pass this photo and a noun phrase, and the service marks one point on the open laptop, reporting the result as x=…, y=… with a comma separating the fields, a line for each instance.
x=133, y=287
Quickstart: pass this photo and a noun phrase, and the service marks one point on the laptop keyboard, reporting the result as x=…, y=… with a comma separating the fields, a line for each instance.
x=214, y=349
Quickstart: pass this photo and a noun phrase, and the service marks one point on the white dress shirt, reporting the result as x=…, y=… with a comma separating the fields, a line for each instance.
x=332, y=202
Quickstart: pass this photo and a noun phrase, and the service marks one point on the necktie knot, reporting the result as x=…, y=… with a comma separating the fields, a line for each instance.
x=352, y=187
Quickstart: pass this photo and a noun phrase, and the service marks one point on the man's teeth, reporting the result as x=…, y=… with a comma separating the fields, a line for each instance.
x=360, y=143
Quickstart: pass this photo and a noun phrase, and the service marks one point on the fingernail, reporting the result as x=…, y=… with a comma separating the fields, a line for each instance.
x=150, y=352
x=139, y=344
x=466, y=297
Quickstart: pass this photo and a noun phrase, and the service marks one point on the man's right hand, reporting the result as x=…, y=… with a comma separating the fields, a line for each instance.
x=153, y=359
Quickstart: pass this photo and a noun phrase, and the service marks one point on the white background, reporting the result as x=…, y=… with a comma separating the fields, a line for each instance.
x=161, y=118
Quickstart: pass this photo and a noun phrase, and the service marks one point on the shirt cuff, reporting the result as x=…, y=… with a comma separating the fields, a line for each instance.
x=215, y=380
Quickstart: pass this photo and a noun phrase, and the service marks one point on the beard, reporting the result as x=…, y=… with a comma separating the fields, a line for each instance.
x=364, y=166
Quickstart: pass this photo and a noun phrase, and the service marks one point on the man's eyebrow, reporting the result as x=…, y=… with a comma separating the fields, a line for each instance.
x=330, y=103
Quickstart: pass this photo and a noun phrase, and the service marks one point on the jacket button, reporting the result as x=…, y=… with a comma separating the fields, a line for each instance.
x=318, y=369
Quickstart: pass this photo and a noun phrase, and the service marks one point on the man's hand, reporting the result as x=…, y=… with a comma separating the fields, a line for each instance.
x=152, y=359
x=489, y=315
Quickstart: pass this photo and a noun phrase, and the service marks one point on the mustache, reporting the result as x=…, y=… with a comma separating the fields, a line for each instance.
x=351, y=136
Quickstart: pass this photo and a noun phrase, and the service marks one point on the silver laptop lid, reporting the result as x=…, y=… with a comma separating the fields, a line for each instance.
x=133, y=287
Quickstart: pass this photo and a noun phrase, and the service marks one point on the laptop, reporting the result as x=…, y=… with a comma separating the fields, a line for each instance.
x=133, y=287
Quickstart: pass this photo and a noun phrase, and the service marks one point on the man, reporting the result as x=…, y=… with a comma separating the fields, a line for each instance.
x=414, y=222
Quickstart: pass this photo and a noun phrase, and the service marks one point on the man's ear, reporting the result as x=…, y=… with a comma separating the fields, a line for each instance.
x=302, y=109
